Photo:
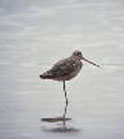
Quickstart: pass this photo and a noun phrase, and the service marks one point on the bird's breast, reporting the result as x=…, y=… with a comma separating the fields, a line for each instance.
x=76, y=69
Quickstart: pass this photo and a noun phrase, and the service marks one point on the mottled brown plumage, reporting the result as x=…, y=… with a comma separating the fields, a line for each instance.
x=66, y=69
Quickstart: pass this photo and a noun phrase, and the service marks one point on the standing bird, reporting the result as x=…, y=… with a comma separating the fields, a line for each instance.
x=66, y=69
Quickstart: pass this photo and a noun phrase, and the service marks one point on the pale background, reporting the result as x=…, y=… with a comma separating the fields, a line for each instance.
x=34, y=34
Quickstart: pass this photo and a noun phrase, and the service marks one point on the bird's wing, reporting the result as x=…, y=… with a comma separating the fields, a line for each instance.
x=63, y=67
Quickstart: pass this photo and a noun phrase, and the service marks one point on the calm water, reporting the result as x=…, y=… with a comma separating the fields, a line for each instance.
x=33, y=36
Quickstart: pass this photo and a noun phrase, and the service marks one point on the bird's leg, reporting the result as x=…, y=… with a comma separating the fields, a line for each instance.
x=66, y=100
x=64, y=89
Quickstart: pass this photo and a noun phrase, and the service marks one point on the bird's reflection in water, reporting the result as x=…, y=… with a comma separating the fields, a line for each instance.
x=61, y=130
x=61, y=127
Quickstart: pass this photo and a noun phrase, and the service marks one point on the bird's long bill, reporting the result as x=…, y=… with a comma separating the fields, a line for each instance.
x=91, y=62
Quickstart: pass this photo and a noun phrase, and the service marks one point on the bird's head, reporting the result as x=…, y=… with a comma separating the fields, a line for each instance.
x=78, y=55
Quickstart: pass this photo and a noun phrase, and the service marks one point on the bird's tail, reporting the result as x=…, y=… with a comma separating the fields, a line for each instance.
x=46, y=75
x=42, y=76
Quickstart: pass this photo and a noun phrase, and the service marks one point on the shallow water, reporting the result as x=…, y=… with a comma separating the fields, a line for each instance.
x=33, y=36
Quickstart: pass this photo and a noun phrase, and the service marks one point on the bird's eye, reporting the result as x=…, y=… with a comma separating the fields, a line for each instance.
x=78, y=54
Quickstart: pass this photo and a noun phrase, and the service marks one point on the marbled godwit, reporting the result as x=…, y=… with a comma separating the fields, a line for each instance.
x=66, y=69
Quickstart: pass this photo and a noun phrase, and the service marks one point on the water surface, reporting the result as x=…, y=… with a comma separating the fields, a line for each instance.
x=33, y=36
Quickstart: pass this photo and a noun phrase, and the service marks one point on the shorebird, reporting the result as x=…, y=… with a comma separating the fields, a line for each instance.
x=66, y=69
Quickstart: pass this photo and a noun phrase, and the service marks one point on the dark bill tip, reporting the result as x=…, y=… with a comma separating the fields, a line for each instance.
x=88, y=61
